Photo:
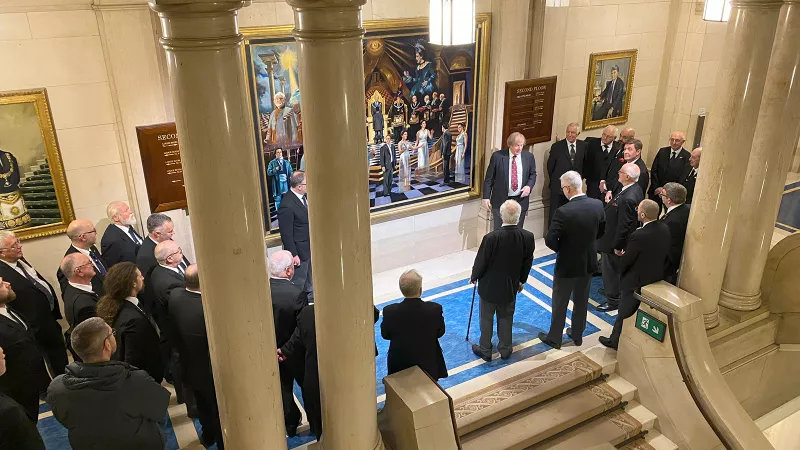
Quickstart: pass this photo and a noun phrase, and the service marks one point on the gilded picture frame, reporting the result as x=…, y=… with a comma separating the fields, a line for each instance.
x=34, y=195
x=267, y=45
x=609, y=88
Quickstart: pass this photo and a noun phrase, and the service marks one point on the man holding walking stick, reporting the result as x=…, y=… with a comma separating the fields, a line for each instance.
x=502, y=265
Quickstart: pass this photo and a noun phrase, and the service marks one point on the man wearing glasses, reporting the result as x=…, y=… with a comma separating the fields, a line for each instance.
x=83, y=236
x=80, y=300
x=36, y=301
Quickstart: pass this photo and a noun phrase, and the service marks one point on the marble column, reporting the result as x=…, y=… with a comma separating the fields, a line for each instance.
x=329, y=41
x=773, y=146
x=217, y=144
x=726, y=146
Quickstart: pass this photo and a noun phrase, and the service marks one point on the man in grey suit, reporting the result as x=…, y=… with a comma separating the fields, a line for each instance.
x=386, y=164
x=510, y=176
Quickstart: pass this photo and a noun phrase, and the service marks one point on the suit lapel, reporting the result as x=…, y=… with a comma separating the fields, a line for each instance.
x=12, y=323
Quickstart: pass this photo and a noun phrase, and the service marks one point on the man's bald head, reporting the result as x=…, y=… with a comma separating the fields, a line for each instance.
x=627, y=135
x=609, y=134
x=166, y=253
x=694, y=160
x=78, y=268
x=676, y=140
x=648, y=210
x=82, y=233
x=192, y=277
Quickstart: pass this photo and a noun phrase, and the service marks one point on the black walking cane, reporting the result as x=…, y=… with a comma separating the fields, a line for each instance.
x=470, y=310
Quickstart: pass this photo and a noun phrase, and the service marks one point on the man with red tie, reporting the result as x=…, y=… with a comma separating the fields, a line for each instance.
x=510, y=176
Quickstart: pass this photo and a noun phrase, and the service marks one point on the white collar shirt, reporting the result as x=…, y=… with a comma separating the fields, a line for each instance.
x=126, y=230
x=576, y=196
x=174, y=269
x=4, y=311
x=671, y=208
x=29, y=269
x=133, y=300
x=83, y=287
x=518, y=162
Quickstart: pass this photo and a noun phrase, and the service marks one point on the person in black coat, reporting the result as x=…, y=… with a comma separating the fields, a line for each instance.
x=620, y=223
x=667, y=165
x=80, y=300
x=17, y=432
x=573, y=235
x=498, y=185
x=688, y=177
x=631, y=153
x=599, y=154
x=120, y=241
x=83, y=235
x=501, y=268
x=36, y=301
x=565, y=155
x=677, y=219
x=413, y=329
x=159, y=228
x=138, y=341
x=26, y=377
x=287, y=301
x=304, y=342
x=643, y=262
x=387, y=165
x=191, y=339
x=107, y=404
x=293, y=224
x=446, y=143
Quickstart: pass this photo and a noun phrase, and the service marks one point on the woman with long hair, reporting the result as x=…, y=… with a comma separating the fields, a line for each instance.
x=405, y=160
x=422, y=148
x=461, y=149
x=138, y=341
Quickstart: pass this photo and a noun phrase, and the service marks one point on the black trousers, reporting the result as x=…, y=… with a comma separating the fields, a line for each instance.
x=593, y=189
x=312, y=403
x=563, y=289
x=557, y=199
x=446, y=168
x=505, y=320
x=628, y=305
x=498, y=221
x=609, y=262
x=290, y=371
x=183, y=392
x=387, y=180
x=208, y=415
x=55, y=355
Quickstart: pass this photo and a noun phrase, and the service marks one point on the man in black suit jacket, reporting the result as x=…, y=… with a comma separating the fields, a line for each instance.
x=159, y=229
x=677, y=219
x=643, y=262
x=287, y=301
x=631, y=153
x=16, y=430
x=26, y=376
x=667, y=165
x=80, y=300
x=599, y=154
x=688, y=177
x=293, y=224
x=501, y=268
x=413, y=329
x=499, y=186
x=446, y=143
x=573, y=235
x=386, y=164
x=120, y=241
x=304, y=342
x=620, y=223
x=36, y=301
x=83, y=235
x=611, y=100
x=565, y=155
x=189, y=327
x=138, y=341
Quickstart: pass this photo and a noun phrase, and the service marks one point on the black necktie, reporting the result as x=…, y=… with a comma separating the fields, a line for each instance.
x=673, y=155
x=605, y=150
x=38, y=285
x=98, y=263
x=182, y=268
x=305, y=201
x=572, y=153
x=134, y=236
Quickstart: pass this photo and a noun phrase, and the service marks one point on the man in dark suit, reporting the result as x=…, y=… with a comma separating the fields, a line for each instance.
x=620, y=223
x=26, y=377
x=573, y=235
x=413, y=329
x=36, y=301
x=611, y=100
x=631, y=153
x=17, y=432
x=293, y=224
x=304, y=342
x=80, y=300
x=120, y=241
x=83, y=235
x=159, y=229
x=511, y=175
x=609, y=174
x=287, y=301
x=386, y=164
x=643, y=262
x=667, y=165
x=565, y=155
x=688, y=177
x=446, y=143
x=599, y=154
x=501, y=268
x=673, y=196
x=189, y=326
x=442, y=109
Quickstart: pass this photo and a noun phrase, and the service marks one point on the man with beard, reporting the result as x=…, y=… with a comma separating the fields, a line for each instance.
x=120, y=241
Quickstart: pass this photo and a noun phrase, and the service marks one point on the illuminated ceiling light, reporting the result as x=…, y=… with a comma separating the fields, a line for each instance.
x=452, y=22
x=717, y=10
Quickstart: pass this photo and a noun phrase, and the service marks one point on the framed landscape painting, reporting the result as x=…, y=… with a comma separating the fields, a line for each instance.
x=609, y=88
x=411, y=89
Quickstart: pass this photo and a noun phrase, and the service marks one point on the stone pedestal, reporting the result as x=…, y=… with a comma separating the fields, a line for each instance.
x=727, y=143
x=773, y=146
x=329, y=41
x=203, y=47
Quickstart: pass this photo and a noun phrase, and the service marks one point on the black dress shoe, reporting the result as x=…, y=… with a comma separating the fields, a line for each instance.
x=607, y=307
x=477, y=350
x=607, y=342
x=543, y=337
x=578, y=341
x=505, y=356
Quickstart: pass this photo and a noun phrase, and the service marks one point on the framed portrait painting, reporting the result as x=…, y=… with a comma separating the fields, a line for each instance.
x=411, y=90
x=609, y=88
x=34, y=197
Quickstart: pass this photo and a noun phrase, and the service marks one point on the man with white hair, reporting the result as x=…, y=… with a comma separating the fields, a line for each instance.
x=668, y=165
x=511, y=175
x=573, y=234
x=501, y=268
x=83, y=236
x=620, y=223
x=120, y=241
x=599, y=154
x=565, y=155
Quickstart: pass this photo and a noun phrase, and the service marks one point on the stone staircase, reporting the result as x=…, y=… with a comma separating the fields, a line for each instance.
x=574, y=402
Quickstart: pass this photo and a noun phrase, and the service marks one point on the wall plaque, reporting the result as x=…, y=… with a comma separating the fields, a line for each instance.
x=163, y=172
x=529, y=107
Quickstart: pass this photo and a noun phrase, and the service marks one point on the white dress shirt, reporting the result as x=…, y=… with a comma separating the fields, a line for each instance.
x=625, y=187
x=671, y=208
x=4, y=311
x=30, y=270
x=126, y=230
x=133, y=300
x=83, y=287
x=576, y=196
x=518, y=161
x=174, y=269
x=86, y=252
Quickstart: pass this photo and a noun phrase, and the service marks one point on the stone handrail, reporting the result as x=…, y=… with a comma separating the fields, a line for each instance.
x=709, y=390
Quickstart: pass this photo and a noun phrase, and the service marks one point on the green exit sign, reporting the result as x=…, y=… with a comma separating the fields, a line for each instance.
x=651, y=326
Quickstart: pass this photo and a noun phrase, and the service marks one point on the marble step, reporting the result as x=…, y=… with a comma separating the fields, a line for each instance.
x=653, y=440
x=745, y=341
x=529, y=388
x=612, y=428
x=545, y=420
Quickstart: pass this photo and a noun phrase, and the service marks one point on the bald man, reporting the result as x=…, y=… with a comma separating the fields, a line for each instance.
x=566, y=155
x=668, y=165
x=626, y=136
x=83, y=236
x=688, y=177
x=80, y=300
x=120, y=241
x=599, y=154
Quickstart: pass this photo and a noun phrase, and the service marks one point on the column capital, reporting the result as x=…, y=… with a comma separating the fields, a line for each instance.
x=327, y=19
x=199, y=24
x=758, y=4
